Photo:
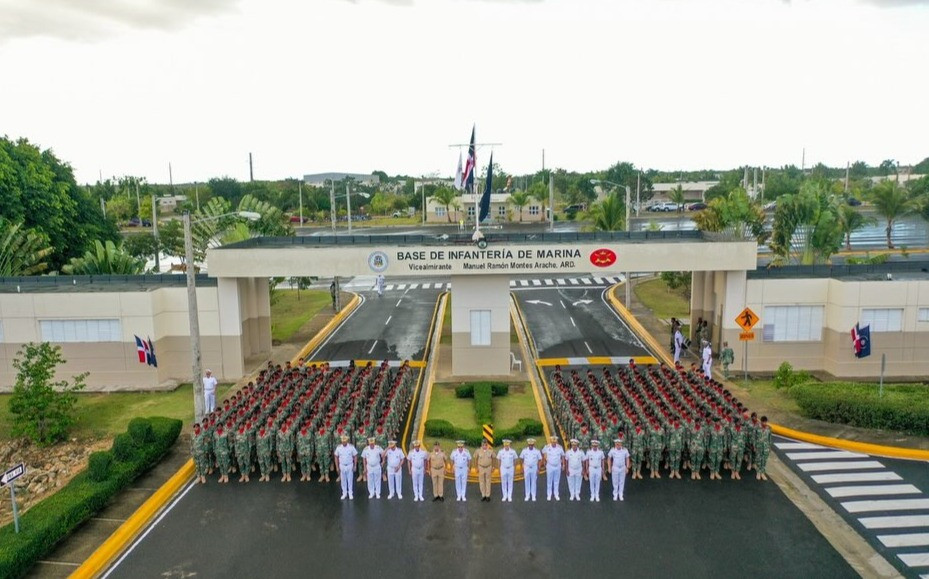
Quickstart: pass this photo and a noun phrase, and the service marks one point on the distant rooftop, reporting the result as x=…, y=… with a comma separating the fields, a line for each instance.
x=325, y=178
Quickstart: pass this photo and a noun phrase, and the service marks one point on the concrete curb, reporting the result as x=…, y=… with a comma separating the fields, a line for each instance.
x=100, y=559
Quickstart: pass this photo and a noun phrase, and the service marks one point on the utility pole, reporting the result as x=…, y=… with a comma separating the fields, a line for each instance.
x=551, y=203
x=755, y=184
x=103, y=207
x=332, y=203
x=170, y=178
x=193, y=320
x=251, y=171
x=847, y=166
x=138, y=200
x=803, y=160
x=197, y=193
x=300, y=189
x=638, y=191
x=155, y=234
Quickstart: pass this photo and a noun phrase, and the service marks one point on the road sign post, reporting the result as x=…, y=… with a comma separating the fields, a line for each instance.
x=9, y=478
x=746, y=320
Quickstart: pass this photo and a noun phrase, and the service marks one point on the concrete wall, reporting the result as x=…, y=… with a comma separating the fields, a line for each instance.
x=485, y=292
x=234, y=323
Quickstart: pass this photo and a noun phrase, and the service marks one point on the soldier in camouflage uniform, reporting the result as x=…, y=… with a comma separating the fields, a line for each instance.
x=221, y=447
x=752, y=432
x=323, y=455
x=305, y=452
x=737, y=449
x=638, y=450
x=243, y=451
x=263, y=448
x=198, y=449
x=697, y=449
x=675, y=448
x=655, y=448
x=716, y=447
x=762, y=449
x=285, y=450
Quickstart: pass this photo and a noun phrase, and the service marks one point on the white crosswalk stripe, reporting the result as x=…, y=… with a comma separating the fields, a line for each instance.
x=798, y=446
x=560, y=281
x=902, y=522
x=850, y=477
x=413, y=286
x=849, y=465
x=905, y=540
x=915, y=559
x=586, y=281
x=573, y=281
x=536, y=282
x=824, y=454
x=523, y=283
x=886, y=505
x=389, y=287
x=513, y=283
x=867, y=490
x=547, y=281
x=401, y=286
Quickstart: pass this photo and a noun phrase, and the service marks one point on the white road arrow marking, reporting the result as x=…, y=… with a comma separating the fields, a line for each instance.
x=537, y=302
x=582, y=302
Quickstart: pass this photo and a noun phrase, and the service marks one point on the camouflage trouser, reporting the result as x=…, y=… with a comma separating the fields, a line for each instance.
x=696, y=458
x=223, y=463
x=264, y=463
x=244, y=458
x=674, y=457
x=735, y=458
x=762, y=459
x=654, y=458
x=202, y=462
x=286, y=459
x=637, y=457
x=716, y=457
x=306, y=464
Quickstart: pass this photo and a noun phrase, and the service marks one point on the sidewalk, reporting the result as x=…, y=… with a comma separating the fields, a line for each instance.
x=662, y=333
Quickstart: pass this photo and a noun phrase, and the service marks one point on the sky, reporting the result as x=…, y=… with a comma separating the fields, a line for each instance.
x=127, y=87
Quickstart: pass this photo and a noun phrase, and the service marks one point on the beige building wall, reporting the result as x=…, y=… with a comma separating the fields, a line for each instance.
x=234, y=324
x=487, y=293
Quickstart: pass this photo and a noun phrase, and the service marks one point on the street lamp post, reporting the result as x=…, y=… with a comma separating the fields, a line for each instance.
x=192, y=311
x=628, y=283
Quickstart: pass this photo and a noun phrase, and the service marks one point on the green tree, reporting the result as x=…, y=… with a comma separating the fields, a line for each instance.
x=216, y=223
x=381, y=203
x=22, y=251
x=609, y=214
x=171, y=238
x=140, y=245
x=104, y=259
x=227, y=188
x=520, y=199
x=806, y=226
x=734, y=216
x=120, y=208
x=682, y=280
x=42, y=408
x=447, y=197
x=851, y=220
x=892, y=202
x=677, y=197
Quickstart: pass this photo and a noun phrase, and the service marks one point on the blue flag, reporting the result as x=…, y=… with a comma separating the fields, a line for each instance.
x=488, y=187
x=864, y=339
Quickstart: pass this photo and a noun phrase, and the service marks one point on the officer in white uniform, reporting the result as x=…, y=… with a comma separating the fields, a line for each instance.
x=373, y=456
x=619, y=466
x=507, y=458
x=394, y=459
x=554, y=461
x=417, y=465
x=346, y=456
x=575, y=458
x=708, y=360
x=595, y=469
x=461, y=460
x=531, y=458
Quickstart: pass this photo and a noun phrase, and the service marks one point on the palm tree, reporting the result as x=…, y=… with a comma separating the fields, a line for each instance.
x=22, y=251
x=447, y=197
x=851, y=220
x=520, y=199
x=677, y=196
x=806, y=226
x=609, y=214
x=891, y=202
x=104, y=259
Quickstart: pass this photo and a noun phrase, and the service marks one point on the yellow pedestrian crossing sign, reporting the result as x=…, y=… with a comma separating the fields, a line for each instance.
x=747, y=319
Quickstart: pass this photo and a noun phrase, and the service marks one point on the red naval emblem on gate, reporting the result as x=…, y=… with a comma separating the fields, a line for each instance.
x=603, y=257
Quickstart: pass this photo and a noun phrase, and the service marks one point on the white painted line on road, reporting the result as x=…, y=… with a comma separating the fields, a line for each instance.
x=601, y=280
x=849, y=477
x=413, y=286
x=885, y=505
x=824, y=454
x=523, y=283
x=562, y=304
x=915, y=559
x=401, y=286
x=448, y=286
x=536, y=282
x=572, y=322
x=573, y=281
x=398, y=302
x=372, y=346
x=905, y=540
x=798, y=446
x=901, y=521
x=389, y=287
x=388, y=320
x=141, y=538
x=548, y=282
x=560, y=281
x=850, y=465
x=586, y=281
x=512, y=283
x=591, y=351
x=866, y=490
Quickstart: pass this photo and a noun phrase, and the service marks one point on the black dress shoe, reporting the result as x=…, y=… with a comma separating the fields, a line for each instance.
x=441, y=499
x=434, y=499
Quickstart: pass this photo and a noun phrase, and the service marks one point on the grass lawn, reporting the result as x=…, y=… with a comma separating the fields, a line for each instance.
x=288, y=313
x=107, y=414
x=764, y=394
x=519, y=403
x=666, y=303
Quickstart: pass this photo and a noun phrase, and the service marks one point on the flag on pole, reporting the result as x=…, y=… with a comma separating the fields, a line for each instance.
x=150, y=353
x=458, y=173
x=467, y=177
x=861, y=341
x=488, y=187
x=140, y=348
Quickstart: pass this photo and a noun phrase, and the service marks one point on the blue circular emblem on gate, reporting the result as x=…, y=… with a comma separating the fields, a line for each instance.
x=377, y=261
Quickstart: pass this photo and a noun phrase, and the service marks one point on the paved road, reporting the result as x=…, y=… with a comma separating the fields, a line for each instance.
x=664, y=528
x=570, y=321
x=885, y=500
x=393, y=327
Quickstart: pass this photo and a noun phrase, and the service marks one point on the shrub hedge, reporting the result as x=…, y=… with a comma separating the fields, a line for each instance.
x=472, y=436
x=467, y=390
x=903, y=406
x=54, y=518
x=99, y=465
x=483, y=403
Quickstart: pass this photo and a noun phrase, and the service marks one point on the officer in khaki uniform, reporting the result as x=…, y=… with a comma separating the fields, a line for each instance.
x=437, y=460
x=484, y=458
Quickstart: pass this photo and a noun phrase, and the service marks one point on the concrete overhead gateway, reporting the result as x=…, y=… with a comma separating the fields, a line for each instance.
x=480, y=276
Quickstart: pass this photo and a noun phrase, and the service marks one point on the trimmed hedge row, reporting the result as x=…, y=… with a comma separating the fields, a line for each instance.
x=903, y=406
x=467, y=390
x=483, y=403
x=472, y=436
x=54, y=518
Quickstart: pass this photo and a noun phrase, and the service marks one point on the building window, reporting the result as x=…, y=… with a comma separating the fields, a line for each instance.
x=533, y=210
x=440, y=211
x=81, y=330
x=480, y=327
x=501, y=211
x=470, y=211
x=882, y=319
x=921, y=316
x=792, y=323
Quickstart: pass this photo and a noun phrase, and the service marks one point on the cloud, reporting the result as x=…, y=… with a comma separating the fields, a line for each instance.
x=90, y=20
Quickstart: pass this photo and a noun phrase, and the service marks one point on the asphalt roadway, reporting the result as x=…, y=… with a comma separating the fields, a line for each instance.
x=664, y=528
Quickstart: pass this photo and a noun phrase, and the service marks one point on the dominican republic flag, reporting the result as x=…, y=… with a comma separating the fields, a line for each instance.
x=140, y=346
x=146, y=351
x=861, y=340
x=488, y=187
x=150, y=353
x=467, y=177
x=458, y=174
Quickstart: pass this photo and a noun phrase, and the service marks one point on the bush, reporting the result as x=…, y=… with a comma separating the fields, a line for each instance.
x=54, y=518
x=483, y=403
x=786, y=377
x=903, y=406
x=140, y=429
x=467, y=390
x=124, y=447
x=473, y=436
x=99, y=465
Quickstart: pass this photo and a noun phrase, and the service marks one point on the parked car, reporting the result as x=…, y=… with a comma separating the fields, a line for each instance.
x=698, y=206
x=397, y=214
x=853, y=202
x=664, y=206
x=770, y=206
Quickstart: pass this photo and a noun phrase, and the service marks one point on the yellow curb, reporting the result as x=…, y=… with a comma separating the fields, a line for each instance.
x=327, y=329
x=360, y=363
x=594, y=360
x=404, y=440
x=514, y=314
x=862, y=447
x=439, y=320
x=100, y=559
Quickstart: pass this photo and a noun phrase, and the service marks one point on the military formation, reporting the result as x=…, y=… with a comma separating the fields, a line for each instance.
x=292, y=418
x=667, y=417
